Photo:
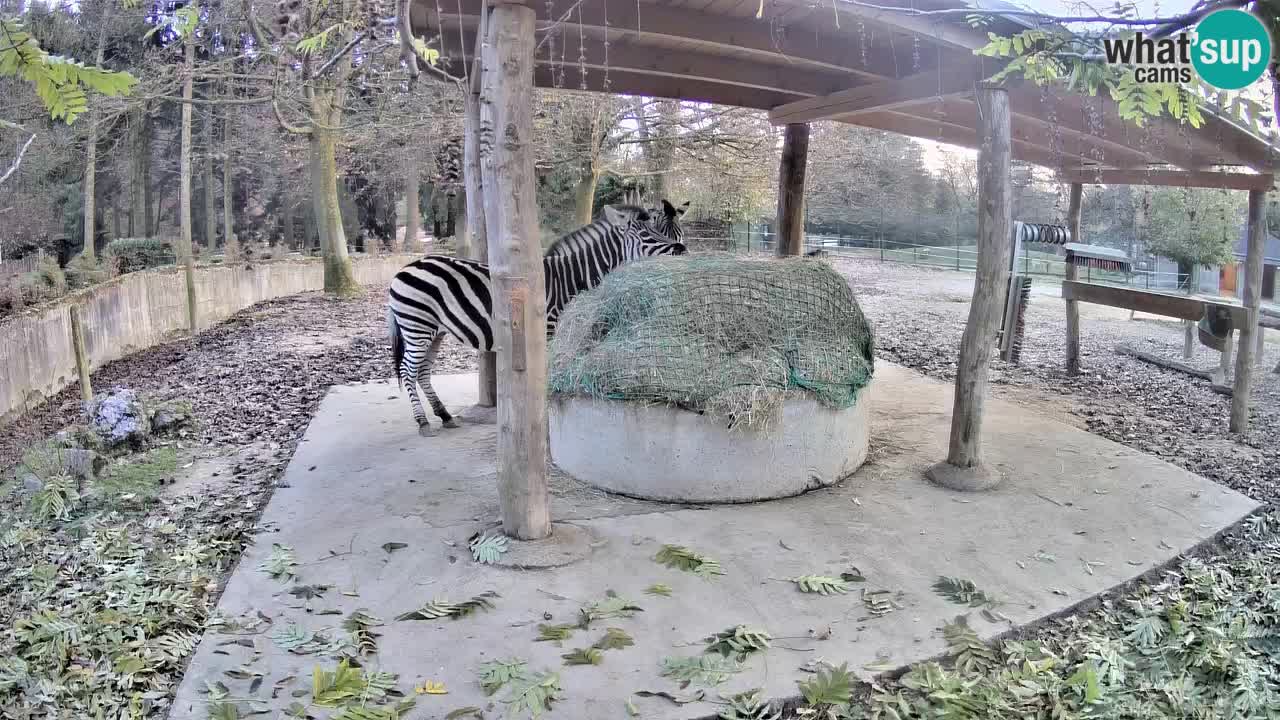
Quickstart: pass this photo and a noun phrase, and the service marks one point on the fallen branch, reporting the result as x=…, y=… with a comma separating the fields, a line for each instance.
x=1164, y=363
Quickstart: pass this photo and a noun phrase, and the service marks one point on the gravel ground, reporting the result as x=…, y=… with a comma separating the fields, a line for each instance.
x=255, y=379
x=919, y=315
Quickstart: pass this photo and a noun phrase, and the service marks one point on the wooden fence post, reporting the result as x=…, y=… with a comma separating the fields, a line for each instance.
x=1251, y=296
x=963, y=468
x=791, y=170
x=82, y=357
x=473, y=177
x=1073, y=308
x=515, y=262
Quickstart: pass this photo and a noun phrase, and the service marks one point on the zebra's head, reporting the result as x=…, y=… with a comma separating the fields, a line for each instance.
x=666, y=220
x=639, y=238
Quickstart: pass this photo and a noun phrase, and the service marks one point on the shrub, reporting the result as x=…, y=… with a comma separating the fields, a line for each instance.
x=83, y=272
x=46, y=282
x=133, y=254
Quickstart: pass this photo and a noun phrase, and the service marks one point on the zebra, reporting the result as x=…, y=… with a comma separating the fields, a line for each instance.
x=440, y=294
x=667, y=222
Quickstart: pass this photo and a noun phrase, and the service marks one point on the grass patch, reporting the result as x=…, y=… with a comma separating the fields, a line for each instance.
x=137, y=476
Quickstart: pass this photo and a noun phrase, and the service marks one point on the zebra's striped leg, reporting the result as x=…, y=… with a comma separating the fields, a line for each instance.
x=410, y=369
x=424, y=378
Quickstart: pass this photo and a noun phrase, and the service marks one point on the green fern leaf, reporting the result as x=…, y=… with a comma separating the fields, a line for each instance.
x=962, y=592
x=830, y=686
x=555, y=633
x=700, y=669
x=496, y=673
x=740, y=640
x=821, y=584
x=487, y=549
x=583, y=656
x=614, y=639
x=749, y=705
x=682, y=558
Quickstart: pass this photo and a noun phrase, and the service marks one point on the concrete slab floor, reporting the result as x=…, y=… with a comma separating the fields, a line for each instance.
x=1077, y=515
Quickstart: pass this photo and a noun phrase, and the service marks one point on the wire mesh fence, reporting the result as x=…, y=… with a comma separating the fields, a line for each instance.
x=955, y=257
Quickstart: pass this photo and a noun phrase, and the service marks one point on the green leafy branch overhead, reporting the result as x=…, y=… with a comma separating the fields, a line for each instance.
x=61, y=83
x=1054, y=55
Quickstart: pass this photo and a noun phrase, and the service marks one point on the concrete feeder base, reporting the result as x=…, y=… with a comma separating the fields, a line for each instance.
x=662, y=453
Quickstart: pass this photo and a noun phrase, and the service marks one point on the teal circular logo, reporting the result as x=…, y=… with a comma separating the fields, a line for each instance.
x=1231, y=49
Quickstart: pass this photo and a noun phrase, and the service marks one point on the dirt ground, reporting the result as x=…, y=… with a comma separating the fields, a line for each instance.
x=257, y=378
x=919, y=316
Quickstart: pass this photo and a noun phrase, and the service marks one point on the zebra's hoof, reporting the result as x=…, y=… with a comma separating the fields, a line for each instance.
x=452, y=423
x=427, y=431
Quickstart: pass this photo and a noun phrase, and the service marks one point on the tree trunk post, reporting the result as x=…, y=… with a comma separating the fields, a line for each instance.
x=791, y=168
x=184, y=184
x=1251, y=295
x=473, y=178
x=412, y=208
x=82, y=357
x=1224, y=362
x=584, y=195
x=91, y=170
x=963, y=469
x=339, y=278
x=1074, y=207
x=515, y=262
x=210, y=196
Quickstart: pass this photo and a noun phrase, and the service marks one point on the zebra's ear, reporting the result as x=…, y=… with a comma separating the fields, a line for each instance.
x=613, y=216
x=683, y=208
x=668, y=209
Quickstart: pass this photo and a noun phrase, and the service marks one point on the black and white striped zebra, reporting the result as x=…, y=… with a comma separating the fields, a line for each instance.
x=439, y=294
x=667, y=221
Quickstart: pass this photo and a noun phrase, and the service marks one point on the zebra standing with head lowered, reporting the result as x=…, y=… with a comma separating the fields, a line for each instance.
x=440, y=294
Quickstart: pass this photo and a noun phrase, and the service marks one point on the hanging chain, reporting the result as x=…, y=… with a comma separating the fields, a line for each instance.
x=604, y=4
x=551, y=44
x=582, y=52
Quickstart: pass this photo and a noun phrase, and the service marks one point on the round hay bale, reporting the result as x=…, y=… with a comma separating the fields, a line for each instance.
x=669, y=380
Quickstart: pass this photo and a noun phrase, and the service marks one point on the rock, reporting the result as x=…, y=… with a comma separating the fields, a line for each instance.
x=120, y=418
x=79, y=436
x=170, y=416
x=51, y=459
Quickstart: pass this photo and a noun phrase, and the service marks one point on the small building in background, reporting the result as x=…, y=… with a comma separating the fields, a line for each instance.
x=1232, y=274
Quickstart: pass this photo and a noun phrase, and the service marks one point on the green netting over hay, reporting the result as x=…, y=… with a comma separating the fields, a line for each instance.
x=715, y=334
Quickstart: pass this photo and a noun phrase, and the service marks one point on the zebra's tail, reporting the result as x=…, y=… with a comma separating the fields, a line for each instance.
x=397, y=345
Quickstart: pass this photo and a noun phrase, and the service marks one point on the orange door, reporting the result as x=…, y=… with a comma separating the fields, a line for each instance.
x=1227, y=280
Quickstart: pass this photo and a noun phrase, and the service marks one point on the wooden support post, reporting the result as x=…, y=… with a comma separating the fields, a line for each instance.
x=473, y=179
x=1073, y=308
x=1224, y=363
x=1251, y=295
x=795, y=154
x=963, y=468
x=515, y=264
x=82, y=357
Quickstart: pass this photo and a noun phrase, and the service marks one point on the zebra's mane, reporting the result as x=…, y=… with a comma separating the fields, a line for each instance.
x=564, y=246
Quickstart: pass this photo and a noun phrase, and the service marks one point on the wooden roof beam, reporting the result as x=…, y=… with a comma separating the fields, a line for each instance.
x=948, y=33
x=888, y=95
x=947, y=132
x=800, y=47
x=623, y=56
x=676, y=88
x=1103, y=126
x=1168, y=178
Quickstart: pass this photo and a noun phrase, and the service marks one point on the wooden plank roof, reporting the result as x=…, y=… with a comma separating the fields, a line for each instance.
x=804, y=60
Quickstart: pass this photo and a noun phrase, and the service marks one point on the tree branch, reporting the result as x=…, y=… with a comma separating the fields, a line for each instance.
x=341, y=53
x=18, y=160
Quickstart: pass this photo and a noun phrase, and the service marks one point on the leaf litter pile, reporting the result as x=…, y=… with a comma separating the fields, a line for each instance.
x=108, y=585
x=104, y=600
